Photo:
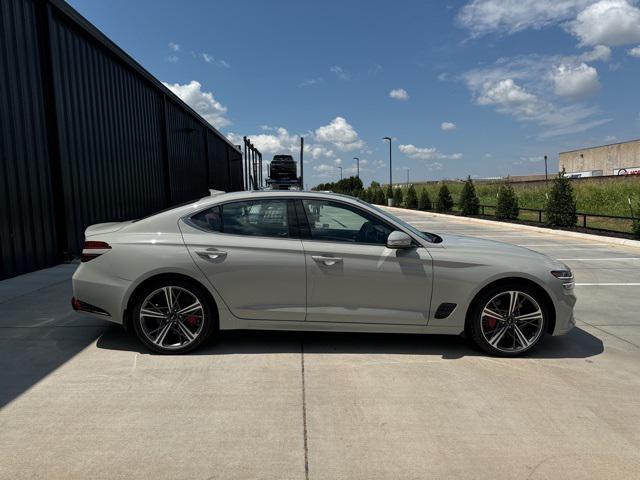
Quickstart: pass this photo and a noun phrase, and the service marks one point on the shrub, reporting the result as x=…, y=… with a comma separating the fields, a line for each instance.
x=561, y=205
x=507, y=207
x=424, y=202
x=378, y=197
x=389, y=193
x=411, y=198
x=445, y=202
x=397, y=197
x=469, y=201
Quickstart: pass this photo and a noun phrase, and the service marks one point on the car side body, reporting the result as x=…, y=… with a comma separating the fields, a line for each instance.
x=290, y=283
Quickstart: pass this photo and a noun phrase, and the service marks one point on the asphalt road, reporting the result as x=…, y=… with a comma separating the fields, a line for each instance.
x=81, y=399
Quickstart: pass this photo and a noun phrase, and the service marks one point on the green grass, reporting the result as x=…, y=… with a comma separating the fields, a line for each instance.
x=593, y=196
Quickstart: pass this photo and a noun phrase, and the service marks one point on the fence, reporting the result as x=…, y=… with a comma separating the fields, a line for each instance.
x=591, y=221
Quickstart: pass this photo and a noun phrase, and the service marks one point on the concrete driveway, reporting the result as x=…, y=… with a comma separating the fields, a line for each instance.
x=81, y=399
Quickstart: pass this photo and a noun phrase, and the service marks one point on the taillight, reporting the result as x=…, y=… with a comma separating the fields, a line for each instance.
x=93, y=249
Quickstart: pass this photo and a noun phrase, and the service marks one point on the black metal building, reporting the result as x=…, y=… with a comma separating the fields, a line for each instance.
x=87, y=136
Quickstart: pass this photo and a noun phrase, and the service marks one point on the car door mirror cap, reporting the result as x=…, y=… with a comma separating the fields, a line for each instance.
x=398, y=239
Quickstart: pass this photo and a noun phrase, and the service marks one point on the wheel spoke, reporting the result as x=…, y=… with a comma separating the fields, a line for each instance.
x=521, y=337
x=497, y=336
x=487, y=312
x=162, y=335
x=168, y=297
x=190, y=336
x=537, y=315
x=191, y=308
x=145, y=312
x=513, y=301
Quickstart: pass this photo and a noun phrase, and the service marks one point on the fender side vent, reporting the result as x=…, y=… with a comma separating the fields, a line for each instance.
x=444, y=310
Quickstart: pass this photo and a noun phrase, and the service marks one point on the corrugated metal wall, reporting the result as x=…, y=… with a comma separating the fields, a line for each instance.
x=88, y=136
x=27, y=226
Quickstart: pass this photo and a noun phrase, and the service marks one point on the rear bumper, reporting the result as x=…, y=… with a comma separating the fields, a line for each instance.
x=99, y=295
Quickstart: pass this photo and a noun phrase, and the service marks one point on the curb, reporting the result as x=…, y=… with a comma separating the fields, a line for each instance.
x=585, y=236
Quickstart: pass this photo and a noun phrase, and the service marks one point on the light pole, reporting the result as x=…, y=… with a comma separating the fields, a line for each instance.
x=390, y=170
x=407, y=176
x=546, y=179
x=340, y=172
x=357, y=166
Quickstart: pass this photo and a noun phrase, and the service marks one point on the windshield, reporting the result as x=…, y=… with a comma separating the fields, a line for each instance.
x=429, y=237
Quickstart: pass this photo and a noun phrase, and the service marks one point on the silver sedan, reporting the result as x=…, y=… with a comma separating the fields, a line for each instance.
x=314, y=261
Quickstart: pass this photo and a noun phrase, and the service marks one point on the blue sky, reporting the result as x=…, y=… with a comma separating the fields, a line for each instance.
x=480, y=87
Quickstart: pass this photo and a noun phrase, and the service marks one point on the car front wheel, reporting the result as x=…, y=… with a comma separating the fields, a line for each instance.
x=173, y=317
x=509, y=321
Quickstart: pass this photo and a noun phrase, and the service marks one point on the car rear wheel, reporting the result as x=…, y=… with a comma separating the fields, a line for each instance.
x=509, y=321
x=173, y=317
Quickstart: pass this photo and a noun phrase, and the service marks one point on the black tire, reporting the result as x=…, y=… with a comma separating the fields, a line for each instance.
x=207, y=322
x=477, y=326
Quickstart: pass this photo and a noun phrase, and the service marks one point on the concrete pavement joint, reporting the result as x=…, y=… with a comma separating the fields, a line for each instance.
x=304, y=414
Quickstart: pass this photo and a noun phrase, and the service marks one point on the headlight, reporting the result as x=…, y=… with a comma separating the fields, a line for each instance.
x=562, y=274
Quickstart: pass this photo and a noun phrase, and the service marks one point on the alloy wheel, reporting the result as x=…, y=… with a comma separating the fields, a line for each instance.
x=171, y=317
x=512, y=321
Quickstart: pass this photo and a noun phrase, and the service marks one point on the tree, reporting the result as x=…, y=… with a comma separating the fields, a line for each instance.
x=469, y=201
x=561, y=203
x=445, y=202
x=374, y=184
x=366, y=194
x=379, y=197
x=424, y=202
x=389, y=193
x=507, y=207
x=411, y=198
x=397, y=197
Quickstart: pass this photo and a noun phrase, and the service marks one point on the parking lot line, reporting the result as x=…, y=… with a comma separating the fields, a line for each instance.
x=596, y=259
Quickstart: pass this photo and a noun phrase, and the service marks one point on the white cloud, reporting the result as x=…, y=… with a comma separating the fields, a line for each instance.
x=576, y=82
x=339, y=72
x=506, y=93
x=310, y=82
x=399, y=94
x=340, y=134
x=212, y=60
x=281, y=141
x=524, y=87
x=173, y=59
x=174, y=47
x=610, y=138
x=607, y=22
x=599, y=53
x=426, y=153
x=634, y=52
x=510, y=16
x=202, y=102
x=448, y=126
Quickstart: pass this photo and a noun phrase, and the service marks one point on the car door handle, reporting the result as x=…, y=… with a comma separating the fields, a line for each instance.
x=326, y=260
x=212, y=254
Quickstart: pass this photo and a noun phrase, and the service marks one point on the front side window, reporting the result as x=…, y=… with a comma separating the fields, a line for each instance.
x=331, y=221
x=266, y=218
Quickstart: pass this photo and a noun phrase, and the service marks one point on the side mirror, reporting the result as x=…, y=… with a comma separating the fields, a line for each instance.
x=397, y=239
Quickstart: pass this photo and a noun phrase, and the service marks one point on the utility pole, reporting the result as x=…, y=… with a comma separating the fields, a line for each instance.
x=301, y=163
x=390, y=169
x=357, y=166
x=340, y=172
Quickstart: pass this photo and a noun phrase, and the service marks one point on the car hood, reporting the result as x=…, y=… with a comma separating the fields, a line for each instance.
x=494, y=249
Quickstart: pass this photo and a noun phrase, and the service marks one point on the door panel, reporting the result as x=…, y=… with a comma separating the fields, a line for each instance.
x=259, y=277
x=352, y=276
x=367, y=283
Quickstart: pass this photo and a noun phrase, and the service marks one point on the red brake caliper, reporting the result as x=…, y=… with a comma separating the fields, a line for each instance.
x=490, y=322
x=192, y=320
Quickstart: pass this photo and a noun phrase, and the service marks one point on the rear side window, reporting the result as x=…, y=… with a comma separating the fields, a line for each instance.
x=209, y=219
x=266, y=218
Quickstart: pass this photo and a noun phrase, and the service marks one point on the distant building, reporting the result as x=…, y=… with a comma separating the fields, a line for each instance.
x=615, y=159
